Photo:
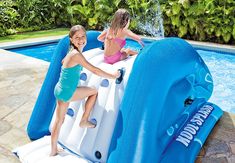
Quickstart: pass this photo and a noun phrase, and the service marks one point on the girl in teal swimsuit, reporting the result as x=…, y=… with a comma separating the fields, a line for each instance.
x=114, y=38
x=66, y=89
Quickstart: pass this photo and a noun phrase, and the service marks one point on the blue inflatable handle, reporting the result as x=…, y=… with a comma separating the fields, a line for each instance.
x=120, y=78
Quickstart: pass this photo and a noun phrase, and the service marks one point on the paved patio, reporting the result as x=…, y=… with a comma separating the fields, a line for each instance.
x=20, y=82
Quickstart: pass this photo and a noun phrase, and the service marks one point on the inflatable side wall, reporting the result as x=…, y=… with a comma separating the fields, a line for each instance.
x=154, y=110
x=40, y=119
x=190, y=132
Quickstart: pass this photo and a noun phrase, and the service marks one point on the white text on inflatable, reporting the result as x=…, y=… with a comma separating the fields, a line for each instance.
x=186, y=136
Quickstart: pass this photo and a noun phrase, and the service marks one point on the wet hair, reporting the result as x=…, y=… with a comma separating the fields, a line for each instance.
x=72, y=31
x=120, y=20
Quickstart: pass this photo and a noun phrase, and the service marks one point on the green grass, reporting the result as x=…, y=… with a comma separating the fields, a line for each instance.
x=36, y=34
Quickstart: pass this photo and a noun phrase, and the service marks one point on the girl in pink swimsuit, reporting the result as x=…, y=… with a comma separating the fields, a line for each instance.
x=114, y=38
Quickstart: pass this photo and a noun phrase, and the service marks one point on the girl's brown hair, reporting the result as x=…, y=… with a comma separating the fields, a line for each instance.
x=73, y=30
x=120, y=20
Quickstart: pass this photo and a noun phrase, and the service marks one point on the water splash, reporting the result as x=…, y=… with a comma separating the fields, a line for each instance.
x=151, y=24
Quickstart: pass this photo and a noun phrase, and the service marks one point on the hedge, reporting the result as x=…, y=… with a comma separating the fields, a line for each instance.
x=203, y=20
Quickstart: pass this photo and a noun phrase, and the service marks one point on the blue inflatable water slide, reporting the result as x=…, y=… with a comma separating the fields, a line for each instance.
x=159, y=113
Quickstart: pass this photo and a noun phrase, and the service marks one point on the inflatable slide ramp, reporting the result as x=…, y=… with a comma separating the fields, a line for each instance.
x=92, y=143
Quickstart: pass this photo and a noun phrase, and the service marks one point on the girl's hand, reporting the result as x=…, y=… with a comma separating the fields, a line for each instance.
x=141, y=43
x=109, y=37
x=117, y=74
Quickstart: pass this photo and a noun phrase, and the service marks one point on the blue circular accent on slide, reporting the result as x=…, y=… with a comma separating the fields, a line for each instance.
x=170, y=131
x=83, y=76
x=176, y=126
x=70, y=112
x=93, y=120
x=105, y=83
x=98, y=155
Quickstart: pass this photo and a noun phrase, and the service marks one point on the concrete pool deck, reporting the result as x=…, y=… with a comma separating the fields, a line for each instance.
x=21, y=78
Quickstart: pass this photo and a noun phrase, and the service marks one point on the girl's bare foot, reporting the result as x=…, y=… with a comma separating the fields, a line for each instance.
x=86, y=124
x=55, y=152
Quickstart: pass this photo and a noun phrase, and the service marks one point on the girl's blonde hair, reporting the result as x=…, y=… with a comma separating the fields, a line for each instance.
x=120, y=20
x=72, y=31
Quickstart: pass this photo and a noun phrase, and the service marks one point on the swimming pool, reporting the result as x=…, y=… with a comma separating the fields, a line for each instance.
x=43, y=52
x=221, y=66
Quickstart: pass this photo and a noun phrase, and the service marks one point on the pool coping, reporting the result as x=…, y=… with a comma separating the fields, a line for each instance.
x=30, y=42
x=213, y=46
x=51, y=39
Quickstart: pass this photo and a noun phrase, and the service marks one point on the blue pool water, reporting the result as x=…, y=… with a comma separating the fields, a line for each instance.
x=221, y=66
x=43, y=52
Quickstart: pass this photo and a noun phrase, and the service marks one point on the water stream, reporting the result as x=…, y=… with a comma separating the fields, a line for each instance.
x=150, y=23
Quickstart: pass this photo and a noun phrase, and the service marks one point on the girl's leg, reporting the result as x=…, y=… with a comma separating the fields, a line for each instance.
x=61, y=109
x=88, y=107
x=128, y=52
x=81, y=93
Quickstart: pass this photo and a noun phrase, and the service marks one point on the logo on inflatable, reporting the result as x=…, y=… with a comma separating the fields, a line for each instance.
x=192, y=127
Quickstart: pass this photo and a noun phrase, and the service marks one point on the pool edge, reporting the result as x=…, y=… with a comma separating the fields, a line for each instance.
x=30, y=42
x=196, y=44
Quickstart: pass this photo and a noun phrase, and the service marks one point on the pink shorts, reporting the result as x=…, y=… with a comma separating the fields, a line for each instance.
x=113, y=58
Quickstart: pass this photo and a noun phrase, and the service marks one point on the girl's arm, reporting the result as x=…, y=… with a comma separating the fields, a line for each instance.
x=134, y=36
x=80, y=59
x=102, y=36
